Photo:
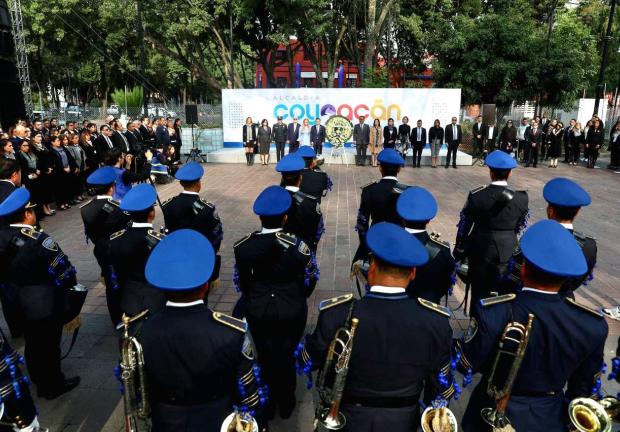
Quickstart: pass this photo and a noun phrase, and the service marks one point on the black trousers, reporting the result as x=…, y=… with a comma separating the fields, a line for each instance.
x=360, y=158
x=532, y=154
x=567, y=152
x=279, y=150
x=318, y=148
x=521, y=150
x=452, y=152
x=276, y=340
x=42, y=353
x=417, y=154
x=293, y=146
x=177, y=152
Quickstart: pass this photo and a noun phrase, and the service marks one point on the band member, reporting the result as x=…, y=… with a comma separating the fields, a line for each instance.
x=453, y=138
x=390, y=133
x=317, y=136
x=378, y=202
x=102, y=218
x=418, y=140
x=314, y=181
x=198, y=363
x=188, y=210
x=276, y=273
x=435, y=279
x=361, y=138
x=130, y=249
x=490, y=221
x=38, y=276
x=387, y=371
x=305, y=219
x=279, y=133
x=566, y=340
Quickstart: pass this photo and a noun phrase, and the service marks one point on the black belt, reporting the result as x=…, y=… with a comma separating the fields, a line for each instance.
x=527, y=393
x=183, y=401
x=381, y=402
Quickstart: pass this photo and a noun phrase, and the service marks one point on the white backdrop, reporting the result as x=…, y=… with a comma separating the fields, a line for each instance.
x=424, y=104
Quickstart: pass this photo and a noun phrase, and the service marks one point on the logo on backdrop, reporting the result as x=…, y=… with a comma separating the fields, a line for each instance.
x=313, y=111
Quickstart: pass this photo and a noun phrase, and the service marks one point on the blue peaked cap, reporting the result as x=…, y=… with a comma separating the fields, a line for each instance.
x=392, y=244
x=17, y=200
x=181, y=261
x=553, y=249
x=290, y=163
x=273, y=201
x=190, y=172
x=102, y=176
x=390, y=156
x=565, y=193
x=416, y=204
x=139, y=198
x=500, y=160
x=306, y=151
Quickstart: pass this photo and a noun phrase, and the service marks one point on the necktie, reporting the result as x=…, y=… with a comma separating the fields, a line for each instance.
x=419, y=134
x=109, y=142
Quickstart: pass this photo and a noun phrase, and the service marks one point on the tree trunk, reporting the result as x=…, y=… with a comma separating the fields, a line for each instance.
x=292, y=79
x=374, y=26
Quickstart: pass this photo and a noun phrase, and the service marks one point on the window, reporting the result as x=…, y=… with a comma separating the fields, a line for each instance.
x=351, y=82
x=280, y=54
x=281, y=82
x=307, y=82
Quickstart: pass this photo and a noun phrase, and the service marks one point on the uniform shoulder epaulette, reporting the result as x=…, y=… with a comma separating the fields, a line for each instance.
x=207, y=203
x=478, y=189
x=489, y=301
x=117, y=234
x=436, y=238
x=87, y=203
x=305, y=195
x=368, y=184
x=156, y=234
x=581, y=236
x=114, y=202
x=232, y=322
x=584, y=307
x=167, y=201
x=31, y=232
x=287, y=238
x=239, y=242
x=335, y=301
x=443, y=310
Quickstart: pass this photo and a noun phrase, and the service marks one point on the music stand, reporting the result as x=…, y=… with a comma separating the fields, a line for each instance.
x=195, y=154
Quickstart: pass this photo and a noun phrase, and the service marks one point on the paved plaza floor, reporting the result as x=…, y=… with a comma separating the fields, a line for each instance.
x=96, y=404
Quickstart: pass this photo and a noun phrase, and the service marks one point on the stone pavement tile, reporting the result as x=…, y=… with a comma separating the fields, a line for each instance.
x=233, y=188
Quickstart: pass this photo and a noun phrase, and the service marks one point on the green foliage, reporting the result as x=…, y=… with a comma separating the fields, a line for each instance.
x=132, y=98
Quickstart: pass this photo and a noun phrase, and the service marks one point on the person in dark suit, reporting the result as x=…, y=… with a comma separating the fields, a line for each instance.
x=361, y=139
x=188, y=210
x=304, y=218
x=533, y=137
x=102, y=217
x=435, y=279
x=492, y=217
x=453, y=138
x=10, y=177
x=418, y=141
x=147, y=132
x=317, y=136
x=491, y=137
x=404, y=133
x=134, y=137
x=276, y=273
x=313, y=181
x=279, y=134
x=63, y=166
x=564, y=356
x=249, y=134
x=293, y=136
x=479, y=133
x=378, y=201
x=103, y=143
x=390, y=134
x=162, y=137
x=594, y=142
x=388, y=369
x=119, y=138
x=129, y=250
x=38, y=276
x=508, y=138
x=194, y=386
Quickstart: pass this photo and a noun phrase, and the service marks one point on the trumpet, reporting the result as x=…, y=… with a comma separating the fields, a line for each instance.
x=135, y=396
x=512, y=346
x=588, y=415
x=328, y=415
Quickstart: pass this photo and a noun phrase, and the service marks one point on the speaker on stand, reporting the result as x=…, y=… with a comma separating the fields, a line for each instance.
x=191, y=117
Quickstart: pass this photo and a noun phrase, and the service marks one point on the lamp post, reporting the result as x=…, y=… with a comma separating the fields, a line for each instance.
x=601, y=72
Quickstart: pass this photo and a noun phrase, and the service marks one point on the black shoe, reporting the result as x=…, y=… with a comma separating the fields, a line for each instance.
x=287, y=407
x=454, y=166
x=447, y=166
x=68, y=385
x=527, y=165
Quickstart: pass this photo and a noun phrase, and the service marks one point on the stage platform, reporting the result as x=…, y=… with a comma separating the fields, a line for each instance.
x=237, y=155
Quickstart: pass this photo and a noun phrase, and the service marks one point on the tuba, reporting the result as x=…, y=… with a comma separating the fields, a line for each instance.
x=135, y=397
x=589, y=415
x=328, y=415
x=512, y=346
x=440, y=419
x=239, y=422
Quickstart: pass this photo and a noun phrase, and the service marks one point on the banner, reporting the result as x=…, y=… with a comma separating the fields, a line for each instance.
x=311, y=103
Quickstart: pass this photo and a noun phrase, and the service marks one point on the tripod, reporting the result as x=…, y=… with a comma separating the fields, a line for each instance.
x=195, y=154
